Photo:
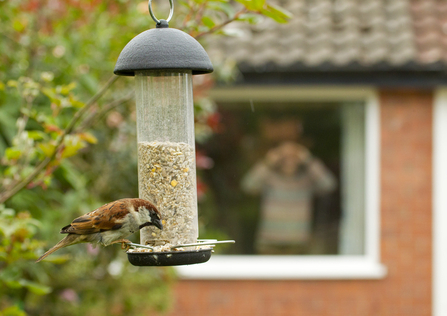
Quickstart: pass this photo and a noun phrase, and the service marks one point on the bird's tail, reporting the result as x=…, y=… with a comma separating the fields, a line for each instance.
x=68, y=240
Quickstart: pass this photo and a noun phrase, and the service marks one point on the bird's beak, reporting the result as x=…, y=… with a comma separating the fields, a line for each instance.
x=157, y=222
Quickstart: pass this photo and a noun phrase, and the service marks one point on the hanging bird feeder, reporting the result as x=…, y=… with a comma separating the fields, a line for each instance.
x=163, y=61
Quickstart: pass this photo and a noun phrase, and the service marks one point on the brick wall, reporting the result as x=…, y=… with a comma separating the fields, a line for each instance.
x=406, y=125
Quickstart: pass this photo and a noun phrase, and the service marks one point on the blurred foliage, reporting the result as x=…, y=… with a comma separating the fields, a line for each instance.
x=68, y=145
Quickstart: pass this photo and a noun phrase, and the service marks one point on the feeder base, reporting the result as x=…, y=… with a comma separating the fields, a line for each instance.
x=170, y=258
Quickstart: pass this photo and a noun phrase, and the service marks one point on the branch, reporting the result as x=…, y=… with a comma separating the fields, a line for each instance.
x=87, y=106
x=95, y=117
x=219, y=26
x=200, y=12
x=188, y=15
x=19, y=185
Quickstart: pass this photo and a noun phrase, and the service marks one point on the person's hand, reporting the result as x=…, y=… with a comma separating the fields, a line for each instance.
x=302, y=153
x=273, y=157
x=287, y=157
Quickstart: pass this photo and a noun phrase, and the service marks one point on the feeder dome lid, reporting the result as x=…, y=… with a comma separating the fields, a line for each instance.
x=163, y=49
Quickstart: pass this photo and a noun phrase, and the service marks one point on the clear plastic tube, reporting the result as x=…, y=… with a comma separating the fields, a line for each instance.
x=166, y=154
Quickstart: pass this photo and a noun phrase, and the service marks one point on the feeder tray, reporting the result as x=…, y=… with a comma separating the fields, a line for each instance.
x=173, y=258
x=170, y=258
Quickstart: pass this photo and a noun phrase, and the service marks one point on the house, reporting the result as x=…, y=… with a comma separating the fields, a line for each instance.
x=364, y=81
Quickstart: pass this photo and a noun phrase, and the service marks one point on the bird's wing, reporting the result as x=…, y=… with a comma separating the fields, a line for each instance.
x=107, y=217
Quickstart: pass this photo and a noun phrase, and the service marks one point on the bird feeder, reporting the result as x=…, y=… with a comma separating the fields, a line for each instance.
x=163, y=61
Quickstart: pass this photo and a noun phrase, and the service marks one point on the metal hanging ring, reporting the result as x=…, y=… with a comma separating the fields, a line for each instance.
x=171, y=12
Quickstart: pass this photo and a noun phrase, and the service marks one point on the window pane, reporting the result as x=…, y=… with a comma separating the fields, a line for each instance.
x=288, y=178
x=352, y=180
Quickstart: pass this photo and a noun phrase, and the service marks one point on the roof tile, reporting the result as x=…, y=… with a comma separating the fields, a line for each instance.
x=340, y=32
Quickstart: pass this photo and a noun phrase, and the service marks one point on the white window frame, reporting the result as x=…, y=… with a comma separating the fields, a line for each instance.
x=439, y=276
x=367, y=266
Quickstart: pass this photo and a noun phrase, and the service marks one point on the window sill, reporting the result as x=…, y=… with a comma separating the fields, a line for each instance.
x=285, y=267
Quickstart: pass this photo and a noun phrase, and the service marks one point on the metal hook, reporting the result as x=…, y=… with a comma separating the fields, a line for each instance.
x=171, y=12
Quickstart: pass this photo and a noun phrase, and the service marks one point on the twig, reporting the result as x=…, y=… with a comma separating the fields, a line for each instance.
x=200, y=12
x=21, y=128
x=95, y=117
x=188, y=16
x=19, y=185
x=87, y=106
x=219, y=26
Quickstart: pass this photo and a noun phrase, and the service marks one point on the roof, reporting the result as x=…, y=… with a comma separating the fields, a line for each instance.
x=345, y=35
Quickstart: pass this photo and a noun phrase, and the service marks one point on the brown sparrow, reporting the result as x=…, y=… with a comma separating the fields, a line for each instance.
x=109, y=224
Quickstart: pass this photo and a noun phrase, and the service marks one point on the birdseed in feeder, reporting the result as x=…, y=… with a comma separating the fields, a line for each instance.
x=167, y=178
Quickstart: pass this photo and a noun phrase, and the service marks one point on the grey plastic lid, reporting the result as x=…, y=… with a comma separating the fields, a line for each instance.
x=163, y=48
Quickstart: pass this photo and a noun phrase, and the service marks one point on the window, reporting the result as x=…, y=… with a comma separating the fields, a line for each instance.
x=315, y=216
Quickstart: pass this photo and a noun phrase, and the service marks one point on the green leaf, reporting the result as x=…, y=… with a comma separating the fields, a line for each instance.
x=250, y=18
x=18, y=25
x=223, y=7
x=90, y=83
x=72, y=146
x=75, y=103
x=277, y=13
x=36, y=288
x=47, y=149
x=65, y=90
x=11, y=170
x=6, y=212
x=89, y=138
x=13, y=284
x=36, y=135
x=12, y=83
x=13, y=153
x=208, y=22
x=12, y=311
x=49, y=92
x=258, y=4
x=253, y=5
x=25, y=111
x=248, y=4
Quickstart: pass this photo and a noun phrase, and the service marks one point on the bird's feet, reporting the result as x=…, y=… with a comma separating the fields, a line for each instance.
x=124, y=243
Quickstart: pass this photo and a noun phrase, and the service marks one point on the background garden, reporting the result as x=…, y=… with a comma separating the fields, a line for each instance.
x=67, y=146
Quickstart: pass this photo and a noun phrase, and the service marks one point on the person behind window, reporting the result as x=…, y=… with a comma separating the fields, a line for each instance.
x=287, y=178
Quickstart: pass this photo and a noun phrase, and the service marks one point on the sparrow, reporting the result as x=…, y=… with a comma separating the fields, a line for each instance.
x=109, y=224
